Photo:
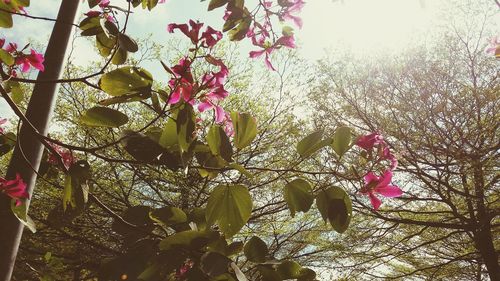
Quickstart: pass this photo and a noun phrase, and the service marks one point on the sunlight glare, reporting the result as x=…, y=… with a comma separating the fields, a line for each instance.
x=363, y=26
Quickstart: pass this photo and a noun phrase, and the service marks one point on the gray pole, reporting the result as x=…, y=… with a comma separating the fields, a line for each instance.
x=38, y=112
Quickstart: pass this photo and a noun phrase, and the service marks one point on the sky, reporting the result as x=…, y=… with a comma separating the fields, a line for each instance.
x=359, y=26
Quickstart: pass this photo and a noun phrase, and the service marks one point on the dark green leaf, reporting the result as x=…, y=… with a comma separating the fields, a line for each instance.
x=298, y=196
x=127, y=43
x=335, y=206
x=256, y=250
x=219, y=143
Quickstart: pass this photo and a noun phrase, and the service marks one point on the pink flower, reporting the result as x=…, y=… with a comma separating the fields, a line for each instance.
x=27, y=61
x=15, y=189
x=104, y=3
x=369, y=141
x=494, y=47
x=208, y=38
x=183, y=83
x=380, y=185
x=2, y=121
x=64, y=154
x=192, y=33
x=284, y=41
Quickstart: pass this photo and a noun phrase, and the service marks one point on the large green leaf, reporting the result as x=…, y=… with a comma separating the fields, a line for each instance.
x=103, y=117
x=126, y=80
x=219, y=143
x=298, y=196
x=312, y=143
x=335, y=207
x=256, y=250
x=230, y=207
x=341, y=140
x=186, y=124
x=245, y=129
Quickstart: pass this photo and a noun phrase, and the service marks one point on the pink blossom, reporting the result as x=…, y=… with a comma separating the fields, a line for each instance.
x=15, y=189
x=380, y=185
x=32, y=60
x=208, y=38
x=284, y=41
x=64, y=154
x=494, y=47
x=104, y=3
x=2, y=121
x=369, y=141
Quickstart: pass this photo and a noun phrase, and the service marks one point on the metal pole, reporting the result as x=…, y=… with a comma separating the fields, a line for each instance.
x=39, y=112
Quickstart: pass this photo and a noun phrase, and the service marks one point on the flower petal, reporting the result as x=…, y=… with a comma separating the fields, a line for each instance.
x=389, y=191
x=375, y=201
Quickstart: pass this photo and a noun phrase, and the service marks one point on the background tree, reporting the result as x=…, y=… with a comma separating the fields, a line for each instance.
x=438, y=107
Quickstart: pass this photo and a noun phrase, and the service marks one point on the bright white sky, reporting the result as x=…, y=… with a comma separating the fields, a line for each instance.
x=360, y=26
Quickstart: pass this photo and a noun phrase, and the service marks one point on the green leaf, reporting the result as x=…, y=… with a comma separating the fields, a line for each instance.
x=267, y=273
x=306, y=274
x=21, y=213
x=5, y=17
x=239, y=32
x=168, y=138
x=190, y=239
x=103, y=117
x=127, y=43
x=289, y=270
x=298, y=196
x=214, y=264
x=240, y=169
x=312, y=143
x=341, y=140
x=6, y=58
x=219, y=143
x=75, y=193
x=335, y=206
x=256, y=250
x=168, y=215
x=186, y=123
x=214, y=4
x=7, y=143
x=230, y=207
x=126, y=80
x=245, y=129
x=120, y=57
